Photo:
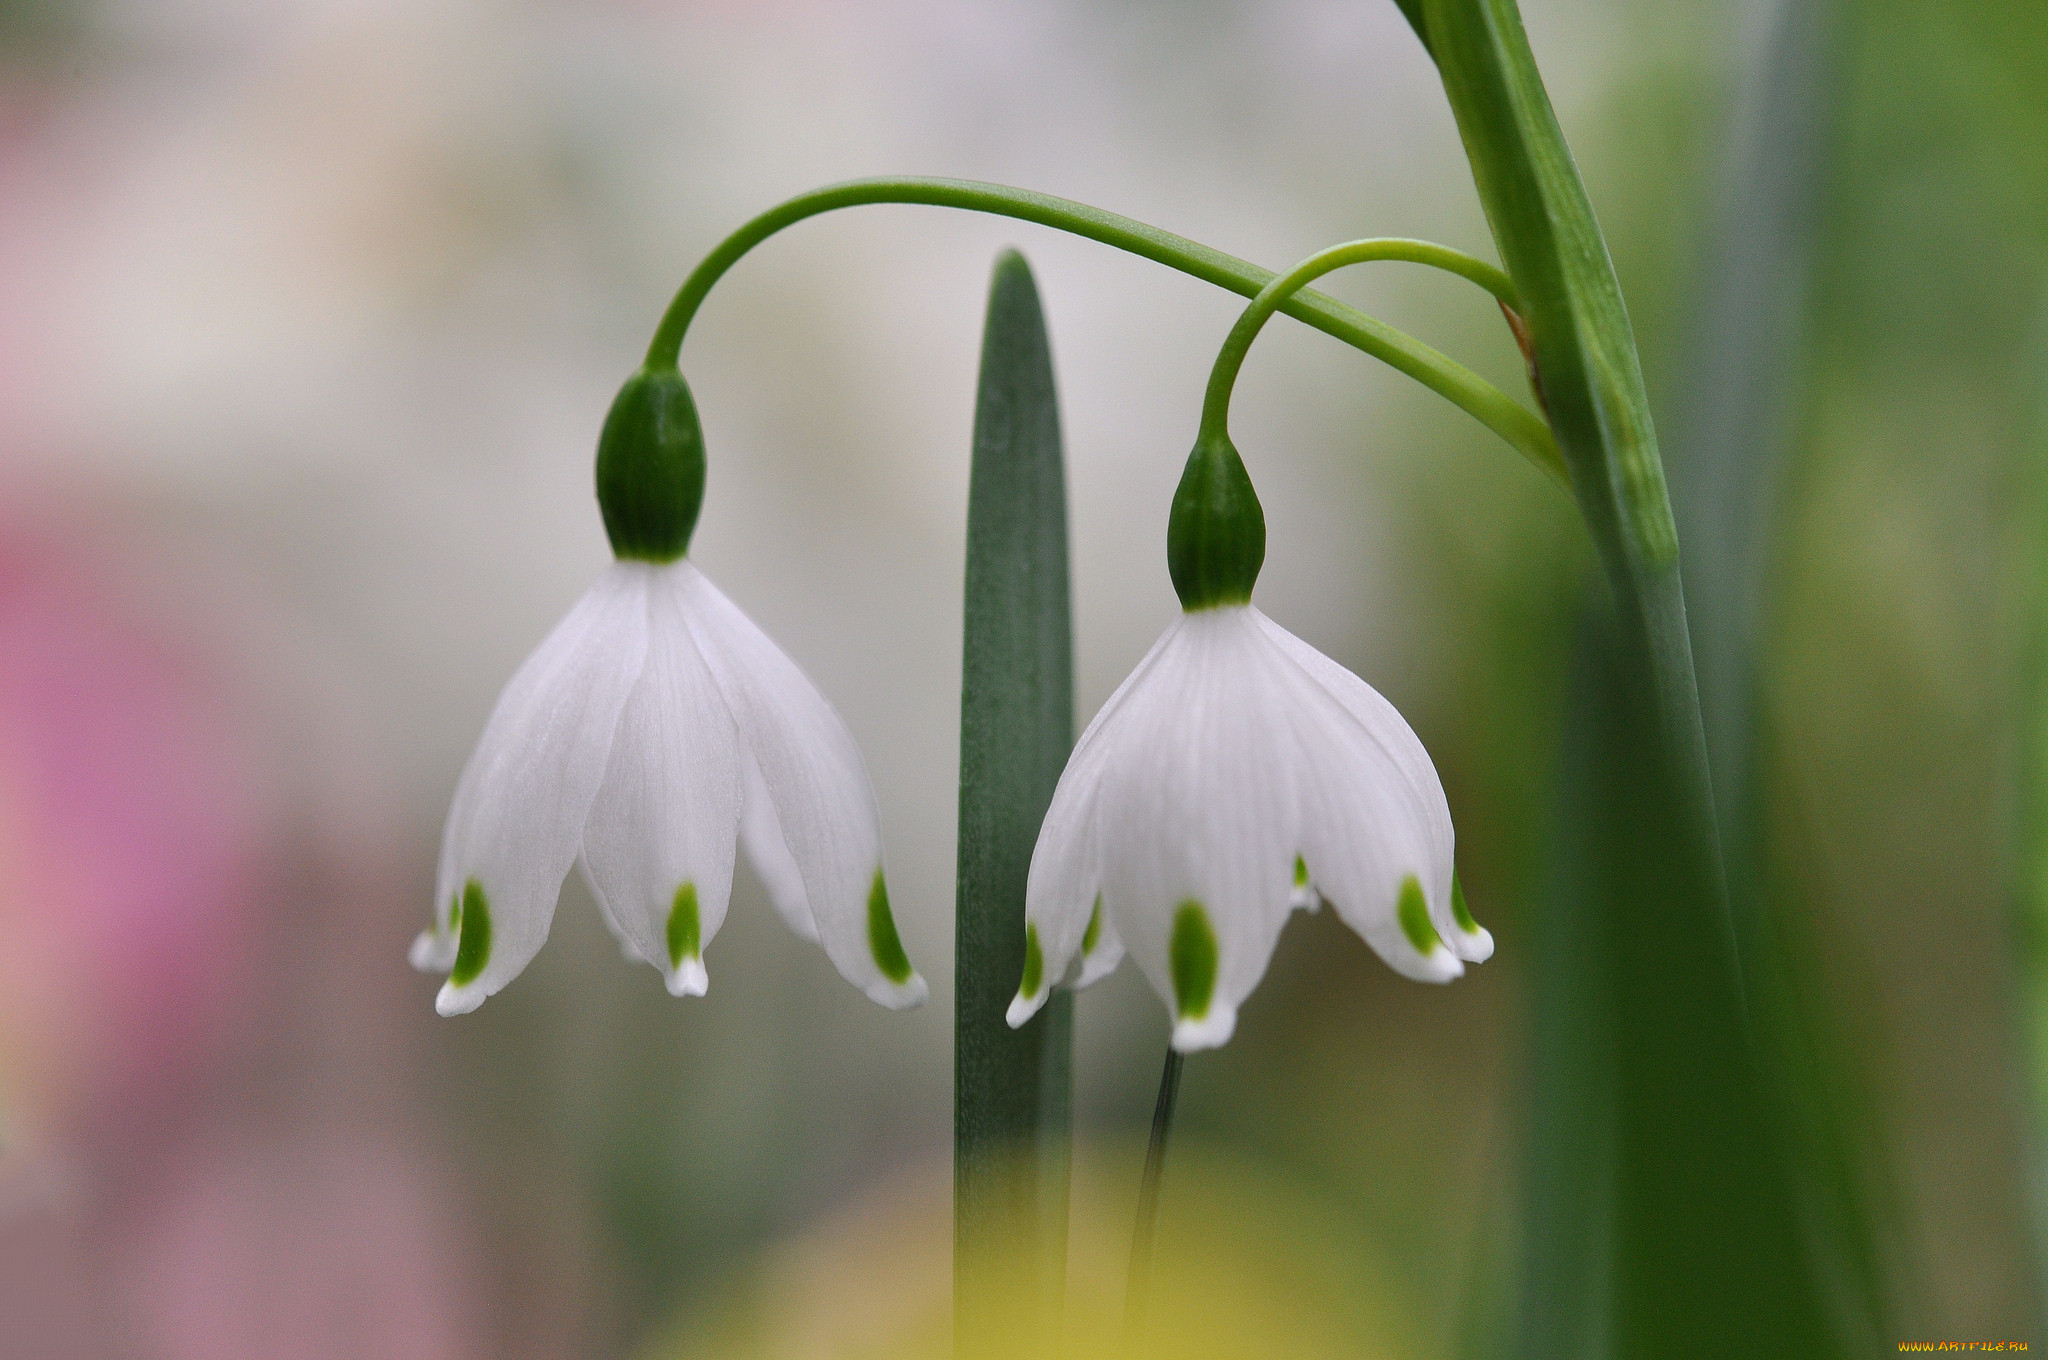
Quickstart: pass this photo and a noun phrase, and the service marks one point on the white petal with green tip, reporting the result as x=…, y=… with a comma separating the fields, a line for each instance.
x=1236, y=776
x=666, y=817
x=1404, y=753
x=652, y=732
x=1365, y=833
x=1102, y=949
x=517, y=820
x=1065, y=881
x=819, y=789
x=1200, y=803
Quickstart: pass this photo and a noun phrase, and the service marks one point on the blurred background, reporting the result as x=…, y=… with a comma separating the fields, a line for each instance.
x=308, y=316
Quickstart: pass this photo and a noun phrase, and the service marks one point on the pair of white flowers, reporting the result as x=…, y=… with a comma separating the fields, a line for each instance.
x=1236, y=775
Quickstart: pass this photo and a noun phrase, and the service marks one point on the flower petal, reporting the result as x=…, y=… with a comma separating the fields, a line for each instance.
x=1374, y=833
x=818, y=788
x=520, y=806
x=629, y=948
x=659, y=841
x=1201, y=811
x=1381, y=740
x=1063, y=893
x=433, y=949
x=1102, y=949
x=768, y=852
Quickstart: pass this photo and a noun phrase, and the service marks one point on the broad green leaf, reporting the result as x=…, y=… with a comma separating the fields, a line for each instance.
x=1012, y=1088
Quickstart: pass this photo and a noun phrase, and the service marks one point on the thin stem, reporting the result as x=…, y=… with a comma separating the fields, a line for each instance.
x=1523, y=430
x=1271, y=298
x=1140, y=1281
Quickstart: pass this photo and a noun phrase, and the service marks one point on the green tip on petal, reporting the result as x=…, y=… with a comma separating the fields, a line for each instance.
x=1192, y=955
x=1216, y=532
x=1034, y=964
x=1461, y=913
x=1414, y=914
x=1300, y=872
x=454, y=912
x=1093, y=935
x=473, y=951
x=685, y=931
x=650, y=468
x=882, y=939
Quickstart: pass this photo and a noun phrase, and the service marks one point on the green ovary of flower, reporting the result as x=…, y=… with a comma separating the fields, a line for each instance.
x=1216, y=531
x=650, y=468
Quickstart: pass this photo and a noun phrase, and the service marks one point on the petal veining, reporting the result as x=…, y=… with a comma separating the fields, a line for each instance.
x=517, y=819
x=818, y=787
x=1200, y=809
x=666, y=816
x=1102, y=949
x=629, y=948
x=1374, y=819
x=1063, y=892
x=768, y=852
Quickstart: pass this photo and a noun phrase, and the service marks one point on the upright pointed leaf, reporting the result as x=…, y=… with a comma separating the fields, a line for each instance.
x=1012, y=1088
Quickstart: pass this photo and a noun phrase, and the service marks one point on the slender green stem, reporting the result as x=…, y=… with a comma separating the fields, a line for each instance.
x=1523, y=430
x=1139, y=1284
x=1223, y=377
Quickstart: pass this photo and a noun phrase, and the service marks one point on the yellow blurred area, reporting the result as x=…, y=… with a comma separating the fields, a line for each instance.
x=1250, y=1263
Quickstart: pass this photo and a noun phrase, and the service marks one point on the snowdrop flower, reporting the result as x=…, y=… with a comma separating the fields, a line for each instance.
x=652, y=730
x=1236, y=775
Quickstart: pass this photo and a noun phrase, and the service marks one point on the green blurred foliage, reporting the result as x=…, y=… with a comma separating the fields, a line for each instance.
x=1886, y=717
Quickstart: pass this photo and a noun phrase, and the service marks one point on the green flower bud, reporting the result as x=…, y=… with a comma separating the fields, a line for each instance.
x=1216, y=533
x=650, y=468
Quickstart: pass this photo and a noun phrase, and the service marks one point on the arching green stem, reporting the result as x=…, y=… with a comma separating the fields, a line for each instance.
x=1522, y=429
x=1273, y=297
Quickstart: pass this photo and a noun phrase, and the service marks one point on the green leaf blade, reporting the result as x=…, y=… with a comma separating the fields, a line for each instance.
x=1012, y=1088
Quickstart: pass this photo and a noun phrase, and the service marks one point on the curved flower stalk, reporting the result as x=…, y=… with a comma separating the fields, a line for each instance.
x=654, y=730
x=1236, y=775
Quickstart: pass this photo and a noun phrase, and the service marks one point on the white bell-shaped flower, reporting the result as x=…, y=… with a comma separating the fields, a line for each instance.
x=654, y=730
x=1235, y=775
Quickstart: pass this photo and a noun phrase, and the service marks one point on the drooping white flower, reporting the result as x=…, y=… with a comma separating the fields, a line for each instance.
x=1236, y=775
x=653, y=730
